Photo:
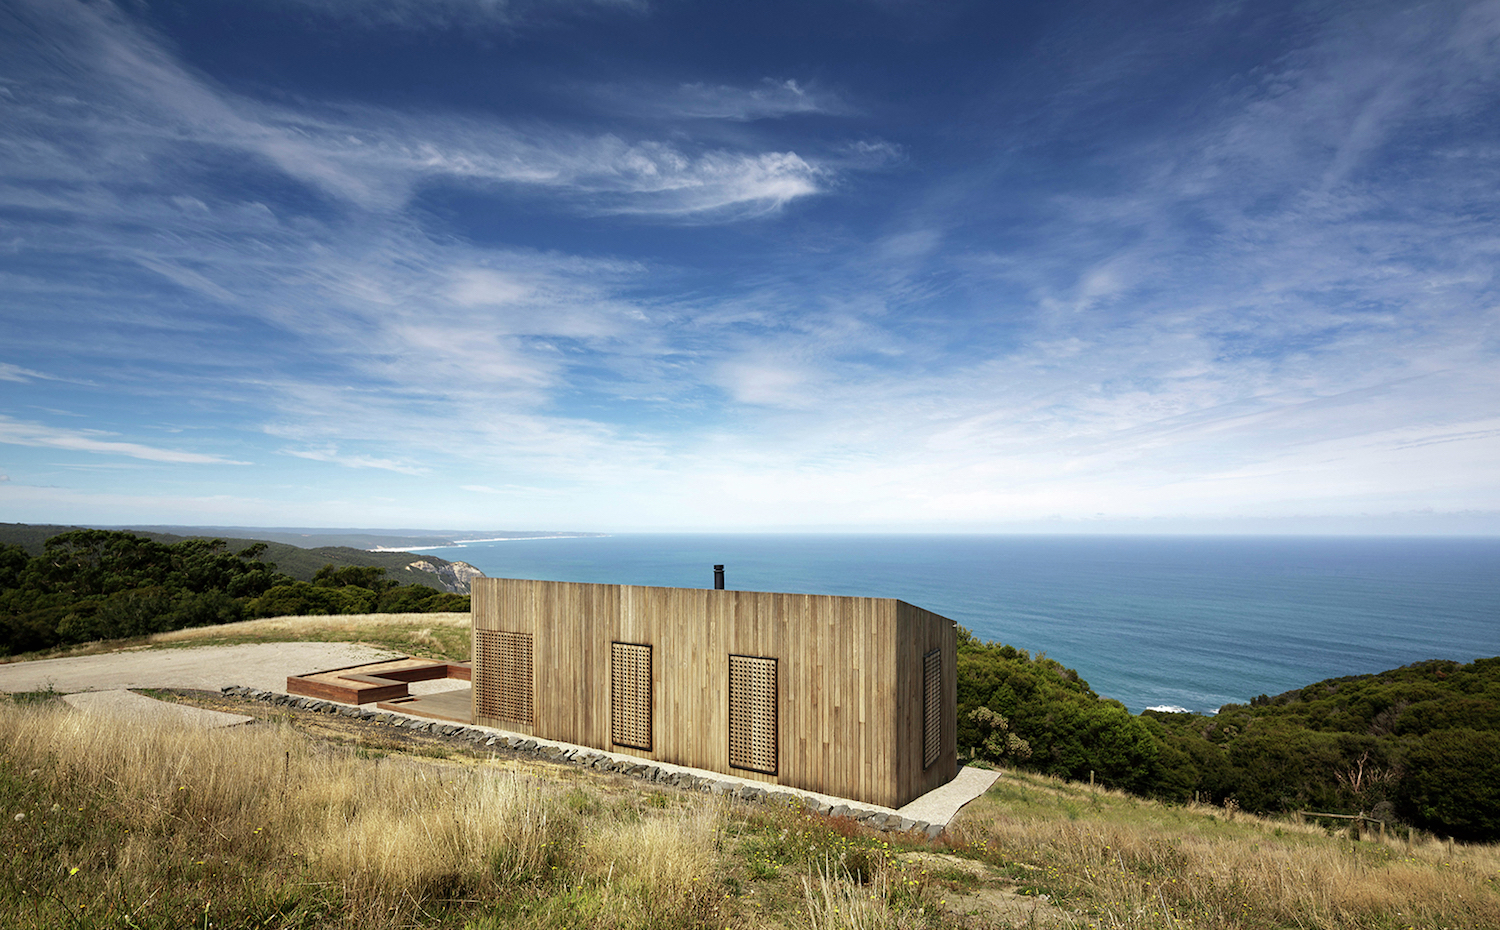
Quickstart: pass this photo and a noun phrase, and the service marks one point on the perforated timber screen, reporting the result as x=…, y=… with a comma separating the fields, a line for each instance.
x=932, y=707
x=630, y=695
x=503, y=676
x=752, y=713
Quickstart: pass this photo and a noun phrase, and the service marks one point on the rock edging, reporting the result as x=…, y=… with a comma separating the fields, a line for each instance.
x=878, y=820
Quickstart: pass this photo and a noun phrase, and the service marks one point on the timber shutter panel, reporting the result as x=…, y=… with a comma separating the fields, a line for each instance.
x=932, y=707
x=752, y=713
x=504, y=679
x=630, y=695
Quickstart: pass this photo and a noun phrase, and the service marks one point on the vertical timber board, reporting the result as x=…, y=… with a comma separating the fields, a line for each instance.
x=878, y=689
x=642, y=615
x=499, y=618
x=549, y=602
x=654, y=613
x=481, y=606
x=808, y=691
x=888, y=698
x=720, y=607
x=578, y=621
x=923, y=632
x=947, y=632
x=802, y=692
x=833, y=615
x=608, y=608
x=676, y=726
x=908, y=738
x=588, y=672
x=874, y=652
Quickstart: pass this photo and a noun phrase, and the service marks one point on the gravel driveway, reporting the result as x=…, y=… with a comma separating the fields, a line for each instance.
x=257, y=665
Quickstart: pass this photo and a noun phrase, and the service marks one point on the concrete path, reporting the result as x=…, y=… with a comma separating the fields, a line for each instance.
x=137, y=708
x=941, y=804
x=258, y=665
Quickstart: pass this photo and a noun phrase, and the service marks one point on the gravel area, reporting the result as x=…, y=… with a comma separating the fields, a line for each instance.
x=258, y=665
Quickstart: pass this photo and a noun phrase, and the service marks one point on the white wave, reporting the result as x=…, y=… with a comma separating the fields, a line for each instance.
x=1170, y=709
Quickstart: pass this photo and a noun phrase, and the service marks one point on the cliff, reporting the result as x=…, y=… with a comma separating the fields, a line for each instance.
x=453, y=577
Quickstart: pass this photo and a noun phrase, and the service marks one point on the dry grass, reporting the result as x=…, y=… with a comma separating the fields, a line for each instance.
x=264, y=827
x=1123, y=862
x=437, y=635
x=836, y=901
x=259, y=826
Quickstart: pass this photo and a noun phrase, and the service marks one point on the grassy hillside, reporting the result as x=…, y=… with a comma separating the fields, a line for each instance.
x=273, y=826
x=443, y=636
x=299, y=562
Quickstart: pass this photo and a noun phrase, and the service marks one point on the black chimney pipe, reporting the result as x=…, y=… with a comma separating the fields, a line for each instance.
x=718, y=577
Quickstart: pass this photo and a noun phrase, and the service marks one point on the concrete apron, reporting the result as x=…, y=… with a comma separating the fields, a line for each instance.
x=138, y=708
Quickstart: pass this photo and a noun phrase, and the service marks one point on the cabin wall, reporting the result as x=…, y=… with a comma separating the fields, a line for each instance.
x=920, y=632
x=838, y=675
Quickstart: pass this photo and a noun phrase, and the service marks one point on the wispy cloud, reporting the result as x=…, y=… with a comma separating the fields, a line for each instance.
x=366, y=157
x=606, y=174
x=331, y=454
x=9, y=372
x=770, y=99
x=462, y=14
x=20, y=433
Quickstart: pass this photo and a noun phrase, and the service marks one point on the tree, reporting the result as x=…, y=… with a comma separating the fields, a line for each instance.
x=84, y=563
x=1450, y=784
x=1000, y=744
x=370, y=577
x=13, y=561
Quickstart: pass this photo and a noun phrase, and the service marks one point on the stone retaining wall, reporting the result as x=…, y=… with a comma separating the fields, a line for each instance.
x=588, y=758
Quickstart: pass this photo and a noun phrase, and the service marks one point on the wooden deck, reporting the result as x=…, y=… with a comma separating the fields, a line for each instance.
x=373, y=682
x=456, y=706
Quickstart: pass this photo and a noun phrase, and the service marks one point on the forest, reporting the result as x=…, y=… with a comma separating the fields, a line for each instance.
x=91, y=584
x=1418, y=745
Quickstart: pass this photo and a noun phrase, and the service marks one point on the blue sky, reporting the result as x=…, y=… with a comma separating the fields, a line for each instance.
x=644, y=265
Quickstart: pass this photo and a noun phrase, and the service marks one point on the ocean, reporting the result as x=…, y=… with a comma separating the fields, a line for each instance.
x=1180, y=622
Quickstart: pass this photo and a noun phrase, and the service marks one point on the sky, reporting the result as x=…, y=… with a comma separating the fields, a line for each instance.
x=874, y=265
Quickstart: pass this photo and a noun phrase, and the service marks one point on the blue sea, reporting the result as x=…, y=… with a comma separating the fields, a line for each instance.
x=1184, y=622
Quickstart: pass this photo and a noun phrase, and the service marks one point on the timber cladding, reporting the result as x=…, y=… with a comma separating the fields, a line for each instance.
x=828, y=694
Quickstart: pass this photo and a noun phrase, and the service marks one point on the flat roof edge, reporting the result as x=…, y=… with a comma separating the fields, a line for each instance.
x=719, y=592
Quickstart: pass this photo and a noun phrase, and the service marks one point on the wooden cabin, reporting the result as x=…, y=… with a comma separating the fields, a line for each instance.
x=854, y=697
